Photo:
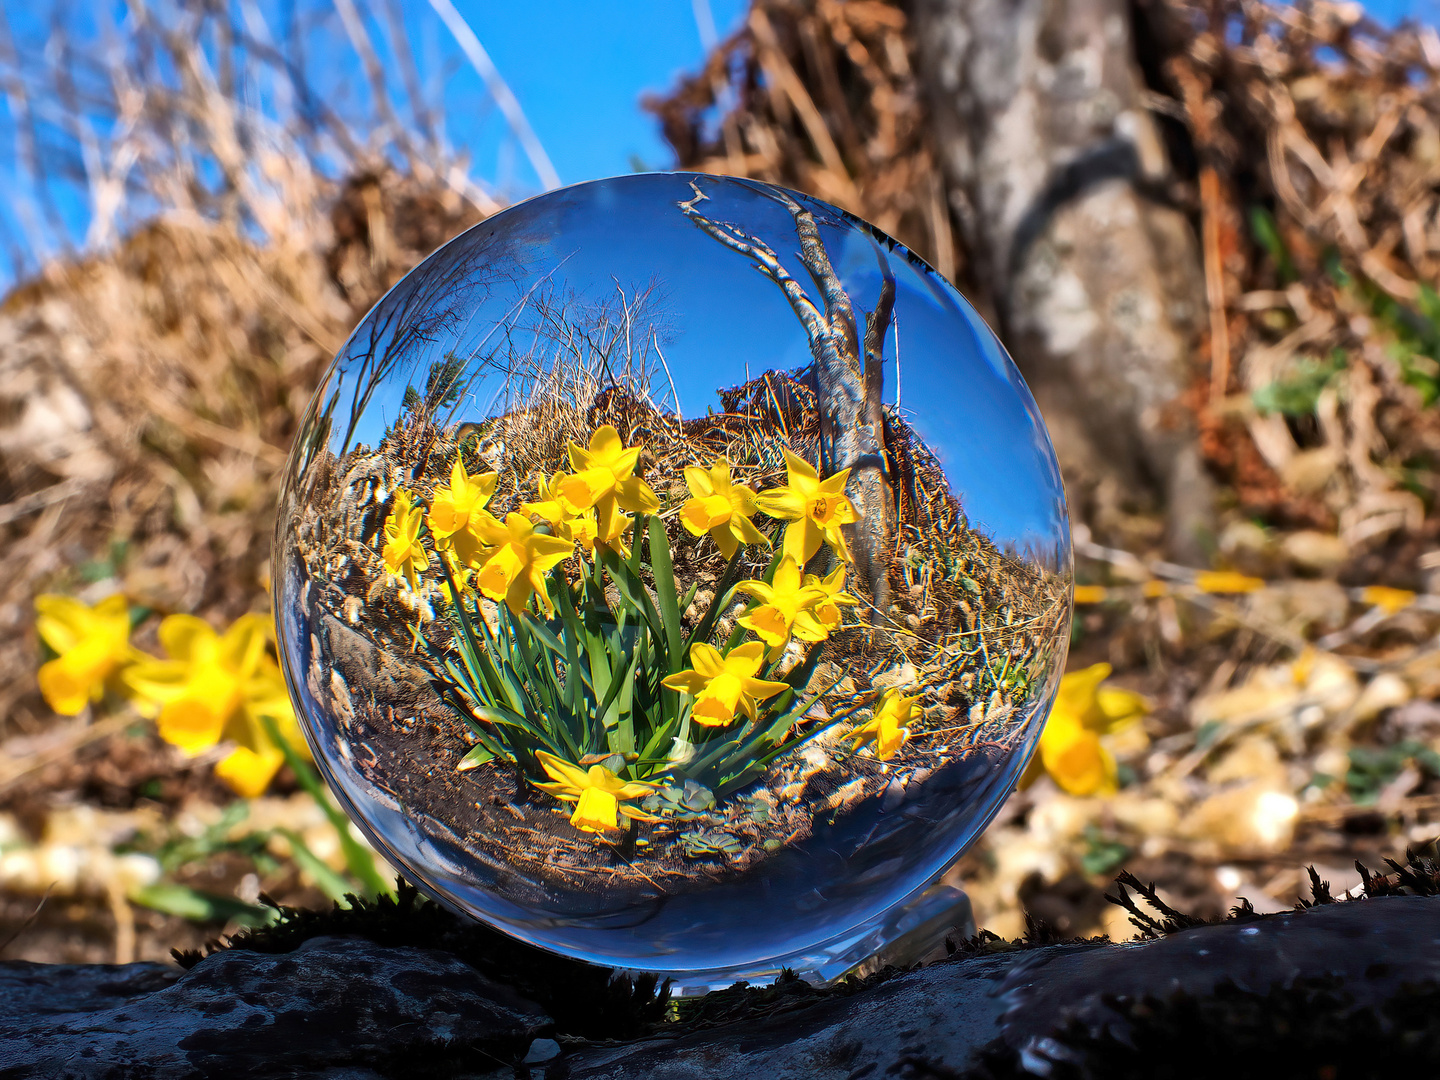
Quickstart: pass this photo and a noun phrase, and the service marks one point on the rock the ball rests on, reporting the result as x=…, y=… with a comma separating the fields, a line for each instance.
x=673, y=572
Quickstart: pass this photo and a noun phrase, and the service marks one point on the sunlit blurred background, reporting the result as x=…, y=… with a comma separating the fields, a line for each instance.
x=200, y=199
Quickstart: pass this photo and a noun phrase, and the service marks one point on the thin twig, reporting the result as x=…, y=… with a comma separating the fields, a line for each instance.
x=499, y=90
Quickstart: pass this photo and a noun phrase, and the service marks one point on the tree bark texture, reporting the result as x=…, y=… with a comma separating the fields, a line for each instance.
x=1051, y=157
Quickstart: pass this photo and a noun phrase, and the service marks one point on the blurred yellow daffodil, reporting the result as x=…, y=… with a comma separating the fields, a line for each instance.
x=598, y=794
x=887, y=725
x=460, y=505
x=604, y=478
x=815, y=508
x=403, y=553
x=722, y=684
x=1389, y=600
x=1227, y=581
x=515, y=561
x=249, y=772
x=721, y=508
x=92, y=646
x=1070, y=747
x=216, y=687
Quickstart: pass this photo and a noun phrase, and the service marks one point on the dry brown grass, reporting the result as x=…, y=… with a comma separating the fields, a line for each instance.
x=821, y=97
x=151, y=388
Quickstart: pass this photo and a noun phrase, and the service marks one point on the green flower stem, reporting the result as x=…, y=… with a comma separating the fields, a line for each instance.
x=358, y=858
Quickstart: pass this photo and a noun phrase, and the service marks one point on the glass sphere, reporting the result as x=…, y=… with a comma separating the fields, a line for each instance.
x=673, y=571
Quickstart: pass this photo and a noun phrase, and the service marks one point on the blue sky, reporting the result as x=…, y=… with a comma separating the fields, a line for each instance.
x=1392, y=11
x=579, y=68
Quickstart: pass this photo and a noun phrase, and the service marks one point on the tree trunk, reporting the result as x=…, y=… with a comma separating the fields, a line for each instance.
x=1039, y=115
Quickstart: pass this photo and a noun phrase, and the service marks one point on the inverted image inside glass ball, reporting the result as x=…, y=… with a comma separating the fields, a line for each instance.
x=673, y=571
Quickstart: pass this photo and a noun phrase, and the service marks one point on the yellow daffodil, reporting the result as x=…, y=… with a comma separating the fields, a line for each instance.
x=459, y=573
x=515, y=560
x=782, y=604
x=887, y=724
x=604, y=478
x=585, y=531
x=1070, y=747
x=721, y=508
x=582, y=528
x=93, y=646
x=598, y=794
x=460, y=505
x=816, y=509
x=1390, y=601
x=216, y=687
x=722, y=684
x=403, y=553
x=1075, y=758
x=823, y=619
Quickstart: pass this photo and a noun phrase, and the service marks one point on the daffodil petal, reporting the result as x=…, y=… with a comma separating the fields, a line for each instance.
x=725, y=539
x=248, y=773
x=698, y=481
x=798, y=466
x=783, y=503
x=706, y=659
x=635, y=495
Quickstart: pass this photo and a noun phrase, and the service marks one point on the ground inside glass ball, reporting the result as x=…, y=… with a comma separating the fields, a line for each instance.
x=673, y=571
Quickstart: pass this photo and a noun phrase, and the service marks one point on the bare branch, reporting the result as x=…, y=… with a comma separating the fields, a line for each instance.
x=850, y=387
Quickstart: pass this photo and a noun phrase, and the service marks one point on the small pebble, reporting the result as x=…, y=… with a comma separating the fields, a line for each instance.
x=541, y=1050
x=894, y=795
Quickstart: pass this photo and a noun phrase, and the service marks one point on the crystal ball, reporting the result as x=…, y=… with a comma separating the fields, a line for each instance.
x=673, y=571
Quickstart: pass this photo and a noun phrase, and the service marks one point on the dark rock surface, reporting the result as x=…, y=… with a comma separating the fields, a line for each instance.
x=940, y=1017
x=337, y=1007
x=1375, y=947
x=346, y=1008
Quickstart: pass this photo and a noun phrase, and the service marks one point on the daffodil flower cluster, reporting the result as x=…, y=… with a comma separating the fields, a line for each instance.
x=792, y=603
x=509, y=559
x=211, y=688
x=580, y=704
